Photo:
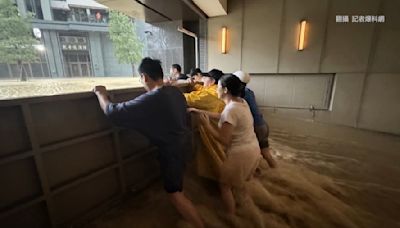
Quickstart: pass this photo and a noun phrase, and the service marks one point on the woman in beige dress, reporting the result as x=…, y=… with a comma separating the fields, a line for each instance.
x=236, y=133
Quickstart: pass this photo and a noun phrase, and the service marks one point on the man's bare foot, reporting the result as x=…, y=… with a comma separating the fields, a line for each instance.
x=266, y=153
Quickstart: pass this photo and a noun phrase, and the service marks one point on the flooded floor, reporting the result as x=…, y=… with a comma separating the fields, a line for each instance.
x=319, y=183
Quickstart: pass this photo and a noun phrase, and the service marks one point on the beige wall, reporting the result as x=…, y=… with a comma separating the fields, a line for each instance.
x=231, y=60
x=365, y=57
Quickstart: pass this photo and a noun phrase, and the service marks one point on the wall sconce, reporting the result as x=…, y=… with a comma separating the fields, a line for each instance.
x=303, y=24
x=223, y=40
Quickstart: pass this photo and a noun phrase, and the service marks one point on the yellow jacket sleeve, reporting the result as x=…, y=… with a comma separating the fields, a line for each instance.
x=197, y=87
x=204, y=100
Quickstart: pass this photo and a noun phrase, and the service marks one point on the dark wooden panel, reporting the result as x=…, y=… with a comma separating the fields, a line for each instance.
x=75, y=202
x=141, y=169
x=68, y=163
x=61, y=120
x=32, y=217
x=12, y=131
x=132, y=142
x=172, y=9
x=19, y=182
x=78, y=157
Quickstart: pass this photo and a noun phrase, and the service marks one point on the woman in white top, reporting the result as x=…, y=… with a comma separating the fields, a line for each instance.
x=236, y=133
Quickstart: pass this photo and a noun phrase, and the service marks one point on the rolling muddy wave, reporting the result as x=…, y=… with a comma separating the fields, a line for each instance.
x=314, y=186
x=290, y=196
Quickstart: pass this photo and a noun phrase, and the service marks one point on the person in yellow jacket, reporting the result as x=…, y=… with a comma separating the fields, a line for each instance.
x=210, y=153
x=205, y=97
x=195, y=80
x=196, y=75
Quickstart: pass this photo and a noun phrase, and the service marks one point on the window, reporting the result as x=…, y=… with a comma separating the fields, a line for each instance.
x=35, y=7
x=38, y=69
x=75, y=44
x=60, y=15
x=79, y=14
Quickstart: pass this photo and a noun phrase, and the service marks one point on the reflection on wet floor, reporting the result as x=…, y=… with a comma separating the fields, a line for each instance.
x=319, y=183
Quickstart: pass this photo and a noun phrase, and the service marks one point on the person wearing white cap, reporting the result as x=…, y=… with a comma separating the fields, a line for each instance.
x=260, y=125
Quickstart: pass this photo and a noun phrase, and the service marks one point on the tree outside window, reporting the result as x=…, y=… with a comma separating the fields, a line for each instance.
x=17, y=45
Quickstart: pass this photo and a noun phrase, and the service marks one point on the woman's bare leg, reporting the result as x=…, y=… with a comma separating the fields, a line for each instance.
x=227, y=198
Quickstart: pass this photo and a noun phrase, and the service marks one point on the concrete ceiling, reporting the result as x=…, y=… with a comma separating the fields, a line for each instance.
x=213, y=8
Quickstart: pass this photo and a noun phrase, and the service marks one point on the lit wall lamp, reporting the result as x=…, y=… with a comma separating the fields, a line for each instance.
x=223, y=40
x=303, y=24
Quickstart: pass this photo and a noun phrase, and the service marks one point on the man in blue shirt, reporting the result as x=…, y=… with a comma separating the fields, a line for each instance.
x=260, y=126
x=160, y=115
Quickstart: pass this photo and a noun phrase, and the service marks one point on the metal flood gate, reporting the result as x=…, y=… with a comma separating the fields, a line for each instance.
x=61, y=161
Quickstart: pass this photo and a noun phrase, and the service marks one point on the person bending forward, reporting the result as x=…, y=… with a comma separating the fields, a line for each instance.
x=236, y=133
x=160, y=115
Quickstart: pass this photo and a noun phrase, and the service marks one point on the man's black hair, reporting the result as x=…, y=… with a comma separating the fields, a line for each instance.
x=152, y=68
x=177, y=67
x=195, y=71
x=233, y=84
x=216, y=74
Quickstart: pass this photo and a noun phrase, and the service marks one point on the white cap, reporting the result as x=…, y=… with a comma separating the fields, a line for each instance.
x=243, y=76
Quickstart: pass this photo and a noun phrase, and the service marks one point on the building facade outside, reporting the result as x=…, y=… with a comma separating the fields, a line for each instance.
x=76, y=42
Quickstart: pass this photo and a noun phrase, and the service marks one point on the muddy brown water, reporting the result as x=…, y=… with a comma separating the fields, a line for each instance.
x=10, y=89
x=319, y=183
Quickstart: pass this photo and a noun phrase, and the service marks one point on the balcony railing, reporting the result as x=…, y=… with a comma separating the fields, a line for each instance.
x=81, y=15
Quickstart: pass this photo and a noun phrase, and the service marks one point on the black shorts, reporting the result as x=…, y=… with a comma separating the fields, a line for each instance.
x=172, y=170
x=262, y=133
